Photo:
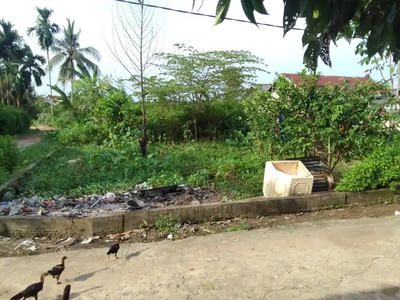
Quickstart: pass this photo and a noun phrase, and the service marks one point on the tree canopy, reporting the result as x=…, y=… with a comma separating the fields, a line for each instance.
x=377, y=20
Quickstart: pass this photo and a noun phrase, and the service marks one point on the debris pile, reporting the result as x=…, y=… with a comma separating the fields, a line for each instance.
x=140, y=197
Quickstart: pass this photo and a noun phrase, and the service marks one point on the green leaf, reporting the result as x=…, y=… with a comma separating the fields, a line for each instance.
x=248, y=9
x=290, y=14
x=392, y=14
x=347, y=11
x=311, y=55
x=304, y=5
x=222, y=10
x=373, y=41
x=259, y=7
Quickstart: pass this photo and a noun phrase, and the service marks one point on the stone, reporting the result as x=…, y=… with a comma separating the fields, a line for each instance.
x=136, y=203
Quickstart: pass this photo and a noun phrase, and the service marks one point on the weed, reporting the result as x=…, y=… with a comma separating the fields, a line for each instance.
x=168, y=224
x=243, y=226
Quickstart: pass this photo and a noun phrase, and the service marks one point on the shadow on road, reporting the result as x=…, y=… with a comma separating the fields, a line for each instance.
x=83, y=277
x=387, y=293
x=134, y=254
x=74, y=295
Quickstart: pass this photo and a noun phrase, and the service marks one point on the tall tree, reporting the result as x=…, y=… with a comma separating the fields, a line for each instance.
x=70, y=54
x=196, y=77
x=10, y=50
x=44, y=31
x=133, y=45
x=379, y=20
x=31, y=67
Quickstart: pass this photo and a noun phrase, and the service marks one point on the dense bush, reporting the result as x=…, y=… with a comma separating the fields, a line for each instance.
x=381, y=169
x=13, y=121
x=8, y=153
x=82, y=133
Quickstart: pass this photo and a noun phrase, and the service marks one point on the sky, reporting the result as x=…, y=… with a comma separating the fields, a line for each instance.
x=95, y=19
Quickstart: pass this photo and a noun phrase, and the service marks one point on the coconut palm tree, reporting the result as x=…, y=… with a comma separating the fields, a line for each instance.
x=70, y=55
x=44, y=31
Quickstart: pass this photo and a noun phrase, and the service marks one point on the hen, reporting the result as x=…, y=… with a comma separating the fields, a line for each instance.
x=32, y=290
x=67, y=290
x=58, y=269
x=113, y=250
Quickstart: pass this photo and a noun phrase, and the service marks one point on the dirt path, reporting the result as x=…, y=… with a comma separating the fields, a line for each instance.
x=331, y=260
x=35, y=138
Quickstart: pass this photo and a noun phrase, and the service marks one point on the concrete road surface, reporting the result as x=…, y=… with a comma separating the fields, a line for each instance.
x=356, y=259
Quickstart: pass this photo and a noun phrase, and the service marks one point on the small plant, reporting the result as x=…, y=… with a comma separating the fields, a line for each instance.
x=243, y=226
x=144, y=225
x=168, y=224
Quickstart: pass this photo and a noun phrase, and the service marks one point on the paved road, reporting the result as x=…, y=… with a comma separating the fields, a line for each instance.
x=357, y=259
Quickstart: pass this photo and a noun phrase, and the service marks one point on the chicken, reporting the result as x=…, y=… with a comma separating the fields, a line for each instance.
x=32, y=290
x=113, y=250
x=67, y=290
x=58, y=269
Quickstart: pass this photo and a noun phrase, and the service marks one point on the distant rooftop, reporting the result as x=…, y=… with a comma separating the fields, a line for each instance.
x=332, y=80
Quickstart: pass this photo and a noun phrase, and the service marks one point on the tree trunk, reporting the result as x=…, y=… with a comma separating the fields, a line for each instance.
x=323, y=154
x=143, y=140
x=195, y=127
x=51, y=90
x=398, y=83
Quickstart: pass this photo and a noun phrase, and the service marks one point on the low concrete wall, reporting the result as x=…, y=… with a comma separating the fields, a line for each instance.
x=114, y=223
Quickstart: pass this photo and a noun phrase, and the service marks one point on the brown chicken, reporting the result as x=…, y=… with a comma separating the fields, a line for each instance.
x=32, y=290
x=67, y=290
x=58, y=269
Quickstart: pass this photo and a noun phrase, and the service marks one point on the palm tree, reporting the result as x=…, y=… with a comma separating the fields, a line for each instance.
x=31, y=66
x=10, y=50
x=70, y=55
x=10, y=41
x=44, y=31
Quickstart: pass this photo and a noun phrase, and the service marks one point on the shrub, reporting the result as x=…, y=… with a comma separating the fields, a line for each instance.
x=8, y=153
x=13, y=121
x=82, y=134
x=381, y=169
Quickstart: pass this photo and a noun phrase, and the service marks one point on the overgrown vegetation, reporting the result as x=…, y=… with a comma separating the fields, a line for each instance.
x=13, y=121
x=234, y=136
x=381, y=169
x=13, y=159
x=100, y=169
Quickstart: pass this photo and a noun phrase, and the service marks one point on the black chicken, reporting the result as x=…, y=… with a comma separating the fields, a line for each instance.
x=58, y=269
x=113, y=250
x=32, y=290
x=67, y=290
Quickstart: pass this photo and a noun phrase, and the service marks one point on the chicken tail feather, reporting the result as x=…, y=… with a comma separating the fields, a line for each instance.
x=17, y=296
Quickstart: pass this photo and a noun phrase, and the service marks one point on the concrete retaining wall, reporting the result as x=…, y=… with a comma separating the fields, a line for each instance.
x=113, y=223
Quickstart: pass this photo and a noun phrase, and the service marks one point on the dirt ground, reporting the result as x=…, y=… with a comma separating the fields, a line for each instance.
x=34, y=138
x=149, y=234
x=330, y=260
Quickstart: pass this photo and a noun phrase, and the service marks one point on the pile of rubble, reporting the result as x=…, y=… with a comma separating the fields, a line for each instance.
x=140, y=197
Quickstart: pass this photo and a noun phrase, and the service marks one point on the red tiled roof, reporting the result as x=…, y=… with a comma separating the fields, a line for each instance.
x=332, y=80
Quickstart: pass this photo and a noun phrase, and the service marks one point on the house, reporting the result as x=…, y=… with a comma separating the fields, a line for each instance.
x=331, y=80
x=48, y=99
x=263, y=86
